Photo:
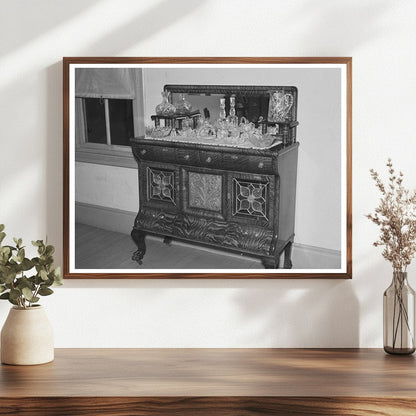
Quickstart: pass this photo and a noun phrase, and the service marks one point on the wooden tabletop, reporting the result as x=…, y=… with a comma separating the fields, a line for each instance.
x=246, y=381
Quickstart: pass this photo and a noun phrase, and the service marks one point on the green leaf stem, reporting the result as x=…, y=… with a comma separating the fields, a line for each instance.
x=16, y=284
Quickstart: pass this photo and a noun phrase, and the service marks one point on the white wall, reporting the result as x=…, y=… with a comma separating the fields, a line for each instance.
x=379, y=34
x=107, y=186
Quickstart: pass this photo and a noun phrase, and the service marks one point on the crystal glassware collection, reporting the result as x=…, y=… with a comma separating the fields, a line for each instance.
x=227, y=130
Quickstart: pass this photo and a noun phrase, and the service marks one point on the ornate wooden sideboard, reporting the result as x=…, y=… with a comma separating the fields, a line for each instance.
x=235, y=198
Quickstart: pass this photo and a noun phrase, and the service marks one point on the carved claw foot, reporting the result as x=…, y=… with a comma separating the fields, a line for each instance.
x=269, y=263
x=167, y=241
x=287, y=264
x=138, y=237
x=138, y=256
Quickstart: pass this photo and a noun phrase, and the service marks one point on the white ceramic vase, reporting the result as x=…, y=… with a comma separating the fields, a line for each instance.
x=27, y=337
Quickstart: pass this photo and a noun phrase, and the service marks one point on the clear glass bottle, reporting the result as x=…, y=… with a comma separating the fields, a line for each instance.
x=221, y=124
x=222, y=114
x=232, y=118
x=165, y=108
x=183, y=106
x=399, y=316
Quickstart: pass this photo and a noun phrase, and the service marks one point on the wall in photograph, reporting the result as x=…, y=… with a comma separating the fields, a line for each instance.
x=380, y=35
x=107, y=186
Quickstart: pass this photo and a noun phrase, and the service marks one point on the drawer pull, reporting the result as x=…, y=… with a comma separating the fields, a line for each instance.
x=209, y=160
x=143, y=152
x=186, y=157
x=261, y=165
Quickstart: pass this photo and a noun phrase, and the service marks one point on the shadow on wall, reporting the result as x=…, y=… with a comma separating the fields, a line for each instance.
x=54, y=146
x=156, y=18
x=45, y=16
x=301, y=313
x=261, y=313
x=336, y=18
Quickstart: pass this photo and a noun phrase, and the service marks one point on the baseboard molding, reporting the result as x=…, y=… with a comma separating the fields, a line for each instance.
x=317, y=250
x=312, y=257
x=118, y=220
x=107, y=218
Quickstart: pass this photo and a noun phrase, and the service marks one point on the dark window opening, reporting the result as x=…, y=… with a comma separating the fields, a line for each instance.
x=121, y=121
x=96, y=131
x=109, y=121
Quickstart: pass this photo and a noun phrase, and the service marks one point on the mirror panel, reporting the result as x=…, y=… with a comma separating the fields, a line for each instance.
x=252, y=102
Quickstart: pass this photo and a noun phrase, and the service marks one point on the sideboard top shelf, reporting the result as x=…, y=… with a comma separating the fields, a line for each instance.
x=214, y=372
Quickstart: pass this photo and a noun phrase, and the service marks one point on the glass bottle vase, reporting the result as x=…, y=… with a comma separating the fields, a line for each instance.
x=399, y=316
x=232, y=118
x=183, y=106
x=165, y=108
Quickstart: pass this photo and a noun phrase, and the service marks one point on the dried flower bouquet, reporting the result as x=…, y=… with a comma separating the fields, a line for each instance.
x=396, y=217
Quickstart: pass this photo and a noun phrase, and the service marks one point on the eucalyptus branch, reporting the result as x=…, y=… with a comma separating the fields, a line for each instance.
x=16, y=284
x=36, y=292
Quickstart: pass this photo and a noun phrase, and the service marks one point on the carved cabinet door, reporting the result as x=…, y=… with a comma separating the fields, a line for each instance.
x=159, y=186
x=251, y=198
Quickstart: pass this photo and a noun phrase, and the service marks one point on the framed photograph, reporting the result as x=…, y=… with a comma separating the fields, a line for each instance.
x=207, y=168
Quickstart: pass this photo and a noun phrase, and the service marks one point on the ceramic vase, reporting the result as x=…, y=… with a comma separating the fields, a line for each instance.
x=27, y=337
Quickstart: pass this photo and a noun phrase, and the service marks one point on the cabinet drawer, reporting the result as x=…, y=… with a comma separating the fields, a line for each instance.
x=260, y=164
x=147, y=153
x=250, y=163
x=187, y=157
x=210, y=159
x=157, y=153
x=166, y=154
x=231, y=161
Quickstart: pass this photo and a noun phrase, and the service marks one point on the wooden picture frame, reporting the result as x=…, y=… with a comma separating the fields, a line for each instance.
x=318, y=96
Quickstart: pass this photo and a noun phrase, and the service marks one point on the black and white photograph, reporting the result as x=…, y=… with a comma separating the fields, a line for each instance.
x=207, y=168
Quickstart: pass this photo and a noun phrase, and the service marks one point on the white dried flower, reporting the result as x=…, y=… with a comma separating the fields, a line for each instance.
x=396, y=217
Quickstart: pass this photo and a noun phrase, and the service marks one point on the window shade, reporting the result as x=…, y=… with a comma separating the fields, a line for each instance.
x=104, y=82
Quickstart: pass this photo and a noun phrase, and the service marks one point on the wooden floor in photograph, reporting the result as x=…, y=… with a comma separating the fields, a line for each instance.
x=207, y=382
x=96, y=248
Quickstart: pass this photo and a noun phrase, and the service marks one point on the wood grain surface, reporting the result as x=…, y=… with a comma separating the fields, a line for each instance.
x=212, y=381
